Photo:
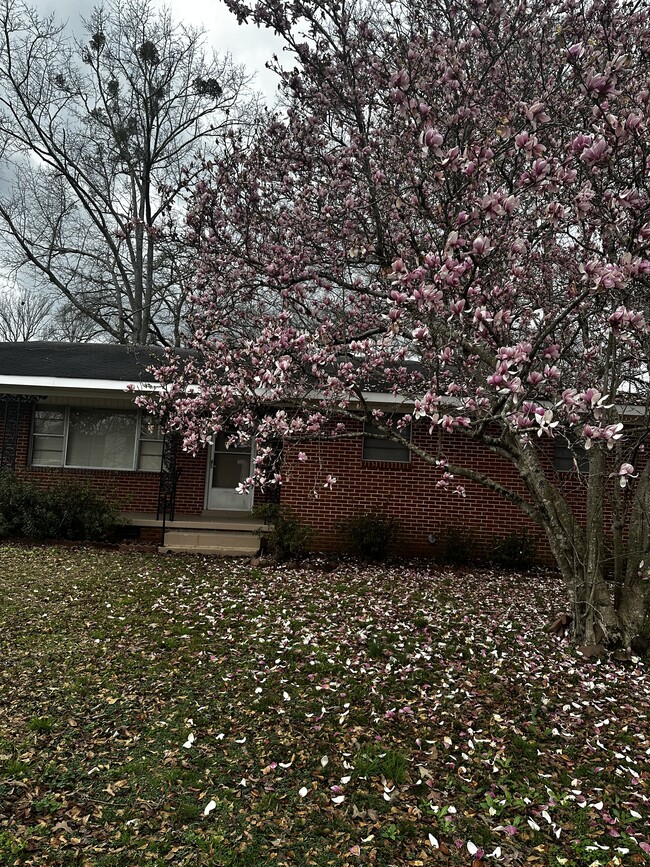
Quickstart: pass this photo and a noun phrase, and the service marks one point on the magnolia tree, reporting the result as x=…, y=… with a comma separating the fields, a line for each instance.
x=452, y=201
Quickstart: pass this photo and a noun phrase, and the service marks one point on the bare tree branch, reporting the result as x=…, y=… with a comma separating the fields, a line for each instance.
x=98, y=140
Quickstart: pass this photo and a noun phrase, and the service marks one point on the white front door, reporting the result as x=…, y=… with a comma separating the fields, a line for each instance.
x=226, y=469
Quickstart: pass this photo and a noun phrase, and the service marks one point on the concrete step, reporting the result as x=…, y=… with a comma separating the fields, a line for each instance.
x=203, y=524
x=211, y=541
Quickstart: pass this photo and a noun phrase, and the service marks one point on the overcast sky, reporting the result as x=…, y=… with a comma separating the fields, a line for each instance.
x=247, y=44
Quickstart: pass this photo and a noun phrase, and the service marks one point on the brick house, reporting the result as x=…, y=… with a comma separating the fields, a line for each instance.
x=65, y=412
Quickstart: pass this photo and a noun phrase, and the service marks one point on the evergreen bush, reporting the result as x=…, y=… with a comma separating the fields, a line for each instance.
x=515, y=551
x=287, y=537
x=459, y=546
x=369, y=535
x=68, y=510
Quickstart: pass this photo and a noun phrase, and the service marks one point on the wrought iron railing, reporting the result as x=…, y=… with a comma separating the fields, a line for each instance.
x=169, y=473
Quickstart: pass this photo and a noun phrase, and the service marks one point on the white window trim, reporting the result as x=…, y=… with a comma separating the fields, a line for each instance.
x=33, y=434
x=138, y=439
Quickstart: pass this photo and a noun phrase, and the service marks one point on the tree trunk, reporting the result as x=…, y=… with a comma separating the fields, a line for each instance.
x=578, y=550
x=600, y=620
x=633, y=605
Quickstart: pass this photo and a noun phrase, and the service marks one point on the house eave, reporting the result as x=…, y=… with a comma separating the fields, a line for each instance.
x=60, y=385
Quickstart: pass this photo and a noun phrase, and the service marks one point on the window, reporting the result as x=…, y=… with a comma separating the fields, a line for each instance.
x=377, y=447
x=231, y=465
x=47, y=442
x=151, y=443
x=95, y=439
x=568, y=457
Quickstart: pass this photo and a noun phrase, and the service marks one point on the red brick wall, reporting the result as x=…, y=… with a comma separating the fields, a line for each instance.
x=405, y=491
x=408, y=492
x=130, y=491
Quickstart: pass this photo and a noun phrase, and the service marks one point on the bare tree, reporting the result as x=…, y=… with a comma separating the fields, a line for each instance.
x=99, y=139
x=68, y=324
x=24, y=315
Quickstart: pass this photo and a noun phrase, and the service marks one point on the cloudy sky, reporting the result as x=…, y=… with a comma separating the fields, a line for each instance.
x=247, y=44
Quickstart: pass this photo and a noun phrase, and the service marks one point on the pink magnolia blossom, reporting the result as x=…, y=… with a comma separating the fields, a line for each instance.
x=625, y=473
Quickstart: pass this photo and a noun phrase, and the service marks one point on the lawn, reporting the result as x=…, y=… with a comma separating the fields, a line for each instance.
x=183, y=710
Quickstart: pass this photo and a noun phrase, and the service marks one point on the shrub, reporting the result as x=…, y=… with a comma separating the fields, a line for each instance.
x=287, y=538
x=369, y=535
x=459, y=546
x=515, y=551
x=65, y=511
x=24, y=509
x=82, y=512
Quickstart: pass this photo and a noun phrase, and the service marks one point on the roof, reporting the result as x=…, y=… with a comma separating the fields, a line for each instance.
x=84, y=367
x=79, y=360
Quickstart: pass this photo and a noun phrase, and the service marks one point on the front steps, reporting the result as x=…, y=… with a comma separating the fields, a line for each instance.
x=224, y=537
x=217, y=533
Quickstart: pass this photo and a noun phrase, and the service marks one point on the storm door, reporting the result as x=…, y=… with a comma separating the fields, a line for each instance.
x=228, y=467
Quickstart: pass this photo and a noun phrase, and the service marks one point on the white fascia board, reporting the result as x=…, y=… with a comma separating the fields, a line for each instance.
x=37, y=384
x=387, y=397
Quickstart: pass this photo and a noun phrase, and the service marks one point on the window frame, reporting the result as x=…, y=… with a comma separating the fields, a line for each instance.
x=66, y=411
x=146, y=439
x=396, y=446
x=34, y=434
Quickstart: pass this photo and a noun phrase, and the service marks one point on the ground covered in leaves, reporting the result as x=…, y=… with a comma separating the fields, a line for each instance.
x=192, y=711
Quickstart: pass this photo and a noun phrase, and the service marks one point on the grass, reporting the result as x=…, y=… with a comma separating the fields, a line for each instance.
x=202, y=712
